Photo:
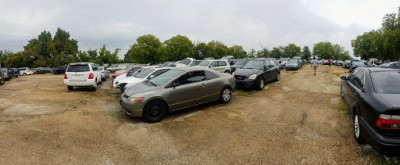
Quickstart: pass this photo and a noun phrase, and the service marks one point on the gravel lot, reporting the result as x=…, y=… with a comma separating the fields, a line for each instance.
x=299, y=119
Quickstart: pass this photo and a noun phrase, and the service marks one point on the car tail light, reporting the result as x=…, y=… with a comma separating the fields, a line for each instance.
x=388, y=121
x=65, y=76
x=91, y=76
x=102, y=72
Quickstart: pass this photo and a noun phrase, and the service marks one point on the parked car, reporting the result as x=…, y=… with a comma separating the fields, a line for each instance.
x=195, y=62
x=82, y=74
x=176, y=89
x=43, y=70
x=257, y=72
x=325, y=62
x=357, y=64
x=6, y=74
x=137, y=77
x=115, y=67
x=390, y=65
x=239, y=64
x=128, y=72
x=14, y=72
x=339, y=62
x=218, y=65
x=293, y=64
x=373, y=62
x=346, y=64
x=105, y=73
x=25, y=71
x=187, y=61
x=60, y=69
x=372, y=96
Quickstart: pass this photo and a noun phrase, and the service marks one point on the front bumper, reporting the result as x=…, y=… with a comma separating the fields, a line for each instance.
x=134, y=109
x=245, y=83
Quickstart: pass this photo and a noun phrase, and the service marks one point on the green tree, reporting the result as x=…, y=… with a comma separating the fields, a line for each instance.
x=263, y=53
x=237, y=51
x=277, y=52
x=201, y=51
x=217, y=49
x=148, y=49
x=252, y=54
x=83, y=56
x=292, y=50
x=306, y=54
x=324, y=50
x=363, y=45
x=19, y=59
x=178, y=48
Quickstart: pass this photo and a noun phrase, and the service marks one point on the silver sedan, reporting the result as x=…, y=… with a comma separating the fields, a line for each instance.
x=174, y=90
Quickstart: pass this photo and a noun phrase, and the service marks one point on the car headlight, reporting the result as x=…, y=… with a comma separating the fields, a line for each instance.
x=135, y=99
x=253, y=76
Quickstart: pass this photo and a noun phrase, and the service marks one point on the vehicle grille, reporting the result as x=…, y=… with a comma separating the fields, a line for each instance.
x=240, y=77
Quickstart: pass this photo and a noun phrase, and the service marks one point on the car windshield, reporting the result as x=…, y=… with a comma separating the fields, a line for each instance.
x=284, y=59
x=78, y=68
x=128, y=68
x=255, y=64
x=144, y=73
x=386, y=82
x=204, y=63
x=359, y=63
x=240, y=63
x=293, y=61
x=4, y=69
x=165, y=77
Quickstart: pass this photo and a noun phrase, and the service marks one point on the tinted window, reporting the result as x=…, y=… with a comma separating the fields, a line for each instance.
x=222, y=63
x=191, y=77
x=215, y=64
x=159, y=72
x=211, y=75
x=240, y=62
x=358, y=80
x=272, y=62
x=386, y=82
x=78, y=68
x=256, y=64
x=144, y=73
x=204, y=63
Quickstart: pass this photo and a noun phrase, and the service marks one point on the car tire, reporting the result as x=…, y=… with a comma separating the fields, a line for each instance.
x=278, y=77
x=2, y=81
x=226, y=95
x=357, y=131
x=94, y=88
x=261, y=84
x=154, y=111
x=70, y=88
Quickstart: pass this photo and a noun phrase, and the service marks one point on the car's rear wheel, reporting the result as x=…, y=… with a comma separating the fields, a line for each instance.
x=70, y=88
x=154, y=111
x=261, y=84
x=357, y=130
x=226, y=95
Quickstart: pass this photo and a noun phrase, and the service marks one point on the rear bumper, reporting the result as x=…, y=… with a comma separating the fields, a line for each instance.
x=386, y=145
x=80, y=83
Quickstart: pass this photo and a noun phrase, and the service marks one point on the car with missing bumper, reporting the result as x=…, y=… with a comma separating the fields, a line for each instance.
x=176, y=89
x=372, y=96
x=256, y=73
x=82, y=74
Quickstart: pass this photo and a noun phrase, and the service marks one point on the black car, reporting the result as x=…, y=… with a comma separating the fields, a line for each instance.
x=372, y=96
x=14, y=72
x=238, y=64
x=257, y=72
x=6, y=74
x=293, y=64
x=60, y=69
x=43, y=70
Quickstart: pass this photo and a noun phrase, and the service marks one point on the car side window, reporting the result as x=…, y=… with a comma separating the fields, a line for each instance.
x=191, y=77
x=359, y=79
x=266, y=63
x=211, y=75
x=272, y=62
x=215, y=64
x=222, y=63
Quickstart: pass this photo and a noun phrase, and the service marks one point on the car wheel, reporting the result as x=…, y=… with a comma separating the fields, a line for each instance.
x=2, y=81
x=70, y=88
x=94, y=88
x=24, y=74
x=278, y=77
x=261, y=84
x=226, y=95
x=357, y=130
x=154, y=111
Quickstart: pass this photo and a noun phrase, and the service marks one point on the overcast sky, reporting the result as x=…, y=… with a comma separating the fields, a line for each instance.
x=251, y=23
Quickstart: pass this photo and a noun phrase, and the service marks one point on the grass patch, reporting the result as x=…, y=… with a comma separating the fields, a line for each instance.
x=242, y=93
x=336, y=74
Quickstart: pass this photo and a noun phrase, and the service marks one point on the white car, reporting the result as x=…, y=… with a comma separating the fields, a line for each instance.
x=140, y=76
x=25, y=71
x=218, y=65
x=82, y=74
x=117, y=79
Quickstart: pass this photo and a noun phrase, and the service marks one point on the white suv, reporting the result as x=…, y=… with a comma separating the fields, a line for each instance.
x=82, y=74
x=25, y=71
x=218, y=65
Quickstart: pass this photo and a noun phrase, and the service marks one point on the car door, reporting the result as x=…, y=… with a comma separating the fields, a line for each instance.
x=187, y=90
x=215, y=66
x=268, y=72
x=274, y=69
x=355, y=87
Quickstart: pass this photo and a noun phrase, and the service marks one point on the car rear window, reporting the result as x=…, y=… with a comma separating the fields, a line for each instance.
x=78, y=68
x=386, y=82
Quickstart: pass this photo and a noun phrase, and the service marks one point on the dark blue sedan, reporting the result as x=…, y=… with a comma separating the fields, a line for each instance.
x=372, y=96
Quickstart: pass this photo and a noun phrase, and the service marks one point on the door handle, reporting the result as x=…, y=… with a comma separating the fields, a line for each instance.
x=203, y=85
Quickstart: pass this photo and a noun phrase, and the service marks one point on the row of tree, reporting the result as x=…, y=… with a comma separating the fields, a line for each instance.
x=49, y=51
x=383, y=43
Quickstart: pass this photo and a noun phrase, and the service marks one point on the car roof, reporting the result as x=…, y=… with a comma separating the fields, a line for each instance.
x=378, y=69
x=74, y=63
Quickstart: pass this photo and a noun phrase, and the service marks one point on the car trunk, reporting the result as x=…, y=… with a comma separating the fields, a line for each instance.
x=78, y=72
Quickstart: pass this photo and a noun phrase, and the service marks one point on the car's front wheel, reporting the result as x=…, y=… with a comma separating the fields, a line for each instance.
x=261, y=84
x=357, y=130
x=154, y=111
x=226, y=95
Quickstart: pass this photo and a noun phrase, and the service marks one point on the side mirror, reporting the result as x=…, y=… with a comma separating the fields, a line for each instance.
x=151, y=76
x=343, y=78
x=210, y=66
x=174, y=84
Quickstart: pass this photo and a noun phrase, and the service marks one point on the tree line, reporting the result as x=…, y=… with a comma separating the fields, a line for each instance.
x=383, y=43
x=48, y=51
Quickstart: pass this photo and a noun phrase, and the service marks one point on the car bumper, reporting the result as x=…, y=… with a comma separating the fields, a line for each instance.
x=386, y=145
x=134, y=109
x=292, y=67
x=80, y=83
x=245, y=83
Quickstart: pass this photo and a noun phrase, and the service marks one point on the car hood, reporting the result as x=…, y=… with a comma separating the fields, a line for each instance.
x=246, y=72
x=392, y=99
x=138, y=88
